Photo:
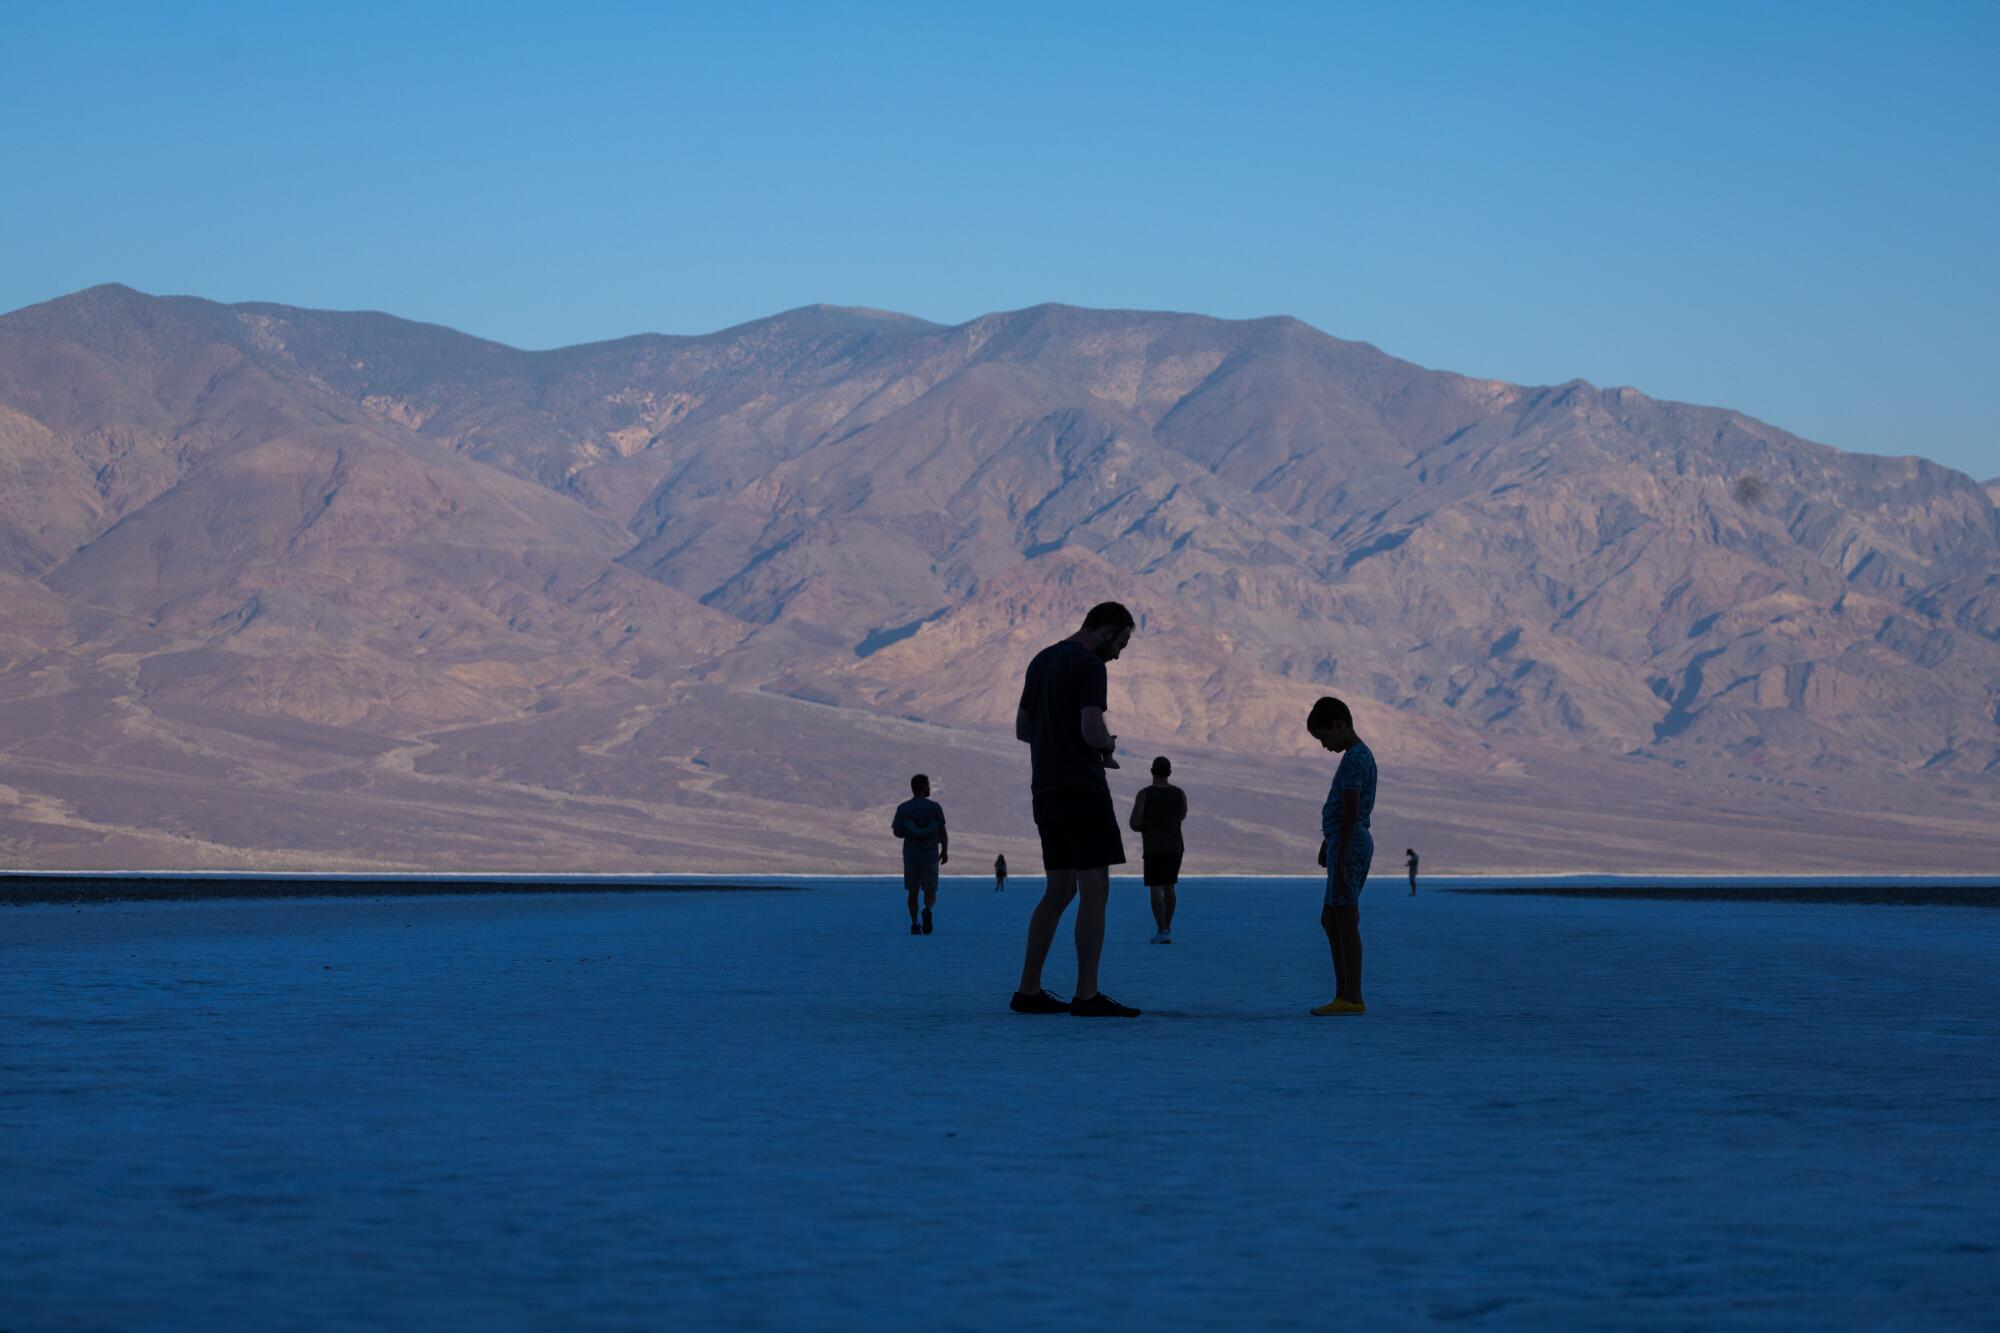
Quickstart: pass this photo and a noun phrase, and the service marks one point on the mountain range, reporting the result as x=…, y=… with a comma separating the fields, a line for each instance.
x=298, y=588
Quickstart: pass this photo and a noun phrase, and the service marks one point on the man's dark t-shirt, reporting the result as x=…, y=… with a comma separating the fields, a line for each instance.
x=919, y=822
x=1063, y=680
x=1161, y=810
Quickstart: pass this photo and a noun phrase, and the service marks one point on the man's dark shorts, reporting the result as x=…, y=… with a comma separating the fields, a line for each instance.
x=1163, y=869
x=920, y=875
x=1079, y=830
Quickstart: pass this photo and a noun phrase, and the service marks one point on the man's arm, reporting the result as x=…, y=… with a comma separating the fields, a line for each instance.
x=896, y=824
x=1138, y=821
x=944, y=839
x=1023, y=724
x=1095, y=734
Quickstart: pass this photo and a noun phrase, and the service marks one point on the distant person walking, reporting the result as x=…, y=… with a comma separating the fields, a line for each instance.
x=1156, y=817
x=1061, y=719
x=919, y=822
x=1410, y=860
x=1000, y=873
x=1347, y=848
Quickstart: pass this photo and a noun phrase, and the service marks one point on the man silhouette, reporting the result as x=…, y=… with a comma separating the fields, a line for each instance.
x=1347, y=850
x=1061, y=720
x=1156, y=817
x=1410, y=860
x=919, y=822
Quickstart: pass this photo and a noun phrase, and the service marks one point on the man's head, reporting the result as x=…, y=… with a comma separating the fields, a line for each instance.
x=1162, y=766
x=920, y=785
x=1330, y=723
x=1106, y=630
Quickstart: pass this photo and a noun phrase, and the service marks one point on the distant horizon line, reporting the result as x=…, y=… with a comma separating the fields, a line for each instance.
x=670, y=876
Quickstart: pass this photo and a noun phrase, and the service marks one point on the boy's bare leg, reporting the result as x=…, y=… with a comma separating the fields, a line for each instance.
x=1350, y=946
x=1042, y=927
x=1093, y=888
x=1167, y=914
x=1329, y=921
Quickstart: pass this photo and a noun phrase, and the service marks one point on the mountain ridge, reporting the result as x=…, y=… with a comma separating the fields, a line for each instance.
x=864, y=509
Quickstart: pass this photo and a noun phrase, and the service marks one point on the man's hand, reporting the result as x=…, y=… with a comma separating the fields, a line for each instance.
x=944, y=857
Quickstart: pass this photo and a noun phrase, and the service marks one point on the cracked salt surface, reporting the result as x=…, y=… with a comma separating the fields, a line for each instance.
x=773, y=1110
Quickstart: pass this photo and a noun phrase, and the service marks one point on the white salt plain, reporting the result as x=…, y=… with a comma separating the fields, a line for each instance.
x=781, y=1110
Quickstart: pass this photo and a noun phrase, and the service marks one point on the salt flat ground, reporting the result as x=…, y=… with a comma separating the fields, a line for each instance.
x=777, y=1110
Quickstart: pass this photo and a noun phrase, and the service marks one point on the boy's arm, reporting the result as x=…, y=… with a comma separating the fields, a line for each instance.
x=1350, y=819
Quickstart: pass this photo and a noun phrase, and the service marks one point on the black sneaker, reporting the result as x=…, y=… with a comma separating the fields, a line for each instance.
x=1042, y=1002
x=927, y=921
x=916, y=929
x=1101, y=1005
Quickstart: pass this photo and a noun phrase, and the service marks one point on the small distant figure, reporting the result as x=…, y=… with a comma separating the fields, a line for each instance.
x=919, y=822
x=1000, y=873
x=1410, y=860
x=1346, y=850
x=1061, y=719
x=1156, y=817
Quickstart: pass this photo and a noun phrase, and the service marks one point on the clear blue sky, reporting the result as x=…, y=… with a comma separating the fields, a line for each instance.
x=1787, y=208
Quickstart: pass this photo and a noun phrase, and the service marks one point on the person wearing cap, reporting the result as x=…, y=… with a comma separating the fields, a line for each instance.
x=1156, y=818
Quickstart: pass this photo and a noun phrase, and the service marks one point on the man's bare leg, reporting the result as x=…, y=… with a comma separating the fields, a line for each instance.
x=1042, y=927
x=1167, y=916
x=913, y=907
x=1158, y=895
x=1093, y=890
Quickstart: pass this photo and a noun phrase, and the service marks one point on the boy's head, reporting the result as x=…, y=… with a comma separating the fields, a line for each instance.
x=1331, y=724
x=920, y=785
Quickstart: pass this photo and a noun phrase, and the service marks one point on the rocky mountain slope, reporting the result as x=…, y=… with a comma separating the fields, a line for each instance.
x=334, y=562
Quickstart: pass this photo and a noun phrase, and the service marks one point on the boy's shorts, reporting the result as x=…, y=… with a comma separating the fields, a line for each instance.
x=1357, y=875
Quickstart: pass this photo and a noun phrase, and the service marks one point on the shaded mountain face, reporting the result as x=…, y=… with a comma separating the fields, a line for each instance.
x=396, y=536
